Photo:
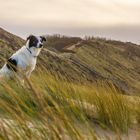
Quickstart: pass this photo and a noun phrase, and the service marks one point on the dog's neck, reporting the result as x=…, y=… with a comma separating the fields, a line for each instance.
x=28, y=49
x=33, y=51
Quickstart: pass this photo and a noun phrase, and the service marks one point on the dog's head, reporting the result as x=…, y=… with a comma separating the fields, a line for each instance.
x=34, y=44
x=35, y=41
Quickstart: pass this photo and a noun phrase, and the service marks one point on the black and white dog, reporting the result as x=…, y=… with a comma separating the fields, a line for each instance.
x=23, y=62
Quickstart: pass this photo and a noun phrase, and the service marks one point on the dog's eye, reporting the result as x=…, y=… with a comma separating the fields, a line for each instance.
x=34, y=43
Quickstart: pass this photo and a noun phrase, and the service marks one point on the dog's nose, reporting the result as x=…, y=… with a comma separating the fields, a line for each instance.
x=40, y=46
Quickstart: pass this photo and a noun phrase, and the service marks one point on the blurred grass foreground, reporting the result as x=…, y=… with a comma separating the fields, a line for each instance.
x=47, y=108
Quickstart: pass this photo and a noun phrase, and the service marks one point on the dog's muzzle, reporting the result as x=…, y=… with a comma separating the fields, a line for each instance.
x=41, y=45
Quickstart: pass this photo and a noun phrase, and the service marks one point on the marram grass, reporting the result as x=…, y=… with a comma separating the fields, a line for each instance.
x=47, y=108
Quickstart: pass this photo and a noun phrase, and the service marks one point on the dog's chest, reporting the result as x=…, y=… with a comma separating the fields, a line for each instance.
x=26, y=63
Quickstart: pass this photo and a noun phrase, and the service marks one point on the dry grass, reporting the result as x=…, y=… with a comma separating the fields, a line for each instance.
x=47, y=108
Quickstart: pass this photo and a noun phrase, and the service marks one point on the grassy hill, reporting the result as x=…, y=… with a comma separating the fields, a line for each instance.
x=74, y=93
x=96, y=59
x=85, y=60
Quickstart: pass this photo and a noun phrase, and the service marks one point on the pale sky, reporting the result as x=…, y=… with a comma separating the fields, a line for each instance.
x=115, y=19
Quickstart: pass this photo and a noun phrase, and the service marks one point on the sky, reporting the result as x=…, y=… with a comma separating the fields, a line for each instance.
x=113, y=19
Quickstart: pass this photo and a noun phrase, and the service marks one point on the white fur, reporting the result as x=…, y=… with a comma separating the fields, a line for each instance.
x=26, y=61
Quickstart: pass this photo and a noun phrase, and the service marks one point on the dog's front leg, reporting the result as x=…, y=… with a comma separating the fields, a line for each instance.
x=28, y=74
x=21, y=80
x=20, y=77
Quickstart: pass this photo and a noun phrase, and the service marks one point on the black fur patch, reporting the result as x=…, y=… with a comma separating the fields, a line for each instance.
x=12, y=64
x=32, y=41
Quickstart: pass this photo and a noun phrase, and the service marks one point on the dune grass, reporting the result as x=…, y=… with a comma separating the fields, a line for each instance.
x=50, y=108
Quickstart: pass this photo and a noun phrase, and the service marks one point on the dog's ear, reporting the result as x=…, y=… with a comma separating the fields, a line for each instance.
x=29, y=37
x=43, y=38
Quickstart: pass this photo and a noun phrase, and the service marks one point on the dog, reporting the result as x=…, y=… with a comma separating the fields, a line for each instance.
x=23, y=62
